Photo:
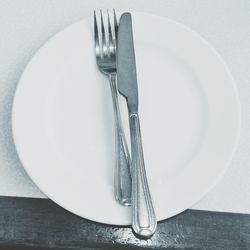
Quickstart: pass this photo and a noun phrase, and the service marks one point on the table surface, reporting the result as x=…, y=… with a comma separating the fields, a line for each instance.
x=40, y=224
x=26, y=25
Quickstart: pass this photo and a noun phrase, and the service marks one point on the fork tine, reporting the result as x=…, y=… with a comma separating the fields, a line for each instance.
x=103, y=41
x=111, y=44
x=115, y=23
x=97, y=45
x=109, y=28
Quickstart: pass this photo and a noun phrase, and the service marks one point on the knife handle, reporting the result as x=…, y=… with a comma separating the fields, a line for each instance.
x=143, y=216
x=122, y=178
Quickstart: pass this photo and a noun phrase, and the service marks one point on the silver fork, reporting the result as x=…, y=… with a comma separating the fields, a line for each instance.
x=105, y=50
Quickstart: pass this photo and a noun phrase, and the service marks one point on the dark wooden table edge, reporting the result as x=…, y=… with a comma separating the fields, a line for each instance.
x=31, y=223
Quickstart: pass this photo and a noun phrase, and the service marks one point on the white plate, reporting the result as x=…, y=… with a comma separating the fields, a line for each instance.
x=63, y=119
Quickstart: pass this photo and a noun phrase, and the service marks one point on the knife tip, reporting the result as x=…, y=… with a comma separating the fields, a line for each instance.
x=126, y=16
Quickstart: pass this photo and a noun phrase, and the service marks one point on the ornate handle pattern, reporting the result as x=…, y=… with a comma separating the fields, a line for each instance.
x=122, y=176
x=143, y=216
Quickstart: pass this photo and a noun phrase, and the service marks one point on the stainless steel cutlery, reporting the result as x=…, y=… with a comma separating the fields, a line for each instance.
x=115, y=58
x=143, y=215
x=105, y=51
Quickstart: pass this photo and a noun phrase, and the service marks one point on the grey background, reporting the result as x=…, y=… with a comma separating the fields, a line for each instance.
x=25, y=25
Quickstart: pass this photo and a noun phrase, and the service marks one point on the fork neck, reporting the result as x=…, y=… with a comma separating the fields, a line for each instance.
x=112, y=79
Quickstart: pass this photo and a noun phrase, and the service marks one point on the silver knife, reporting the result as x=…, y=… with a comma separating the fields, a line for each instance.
x=143, y=216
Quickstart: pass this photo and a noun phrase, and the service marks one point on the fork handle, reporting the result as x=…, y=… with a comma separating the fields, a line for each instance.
x=122, y=178
x=143, y=216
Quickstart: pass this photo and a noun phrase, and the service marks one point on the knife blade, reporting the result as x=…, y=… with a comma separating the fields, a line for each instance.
x=143, y=216
x=126, y=65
